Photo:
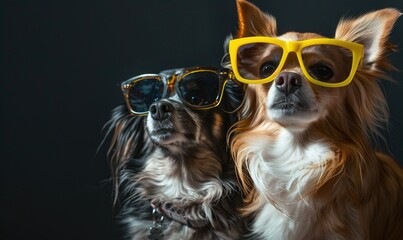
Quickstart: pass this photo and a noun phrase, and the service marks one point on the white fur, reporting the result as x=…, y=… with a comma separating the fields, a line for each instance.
x=172, y=182
x=281, y=170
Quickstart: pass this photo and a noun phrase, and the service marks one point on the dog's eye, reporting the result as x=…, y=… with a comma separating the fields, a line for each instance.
x=268, y=69
x=321, y=72
x=197, y=101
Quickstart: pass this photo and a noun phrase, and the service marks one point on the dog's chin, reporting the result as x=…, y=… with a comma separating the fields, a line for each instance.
x=296, y=116
x=167, y=137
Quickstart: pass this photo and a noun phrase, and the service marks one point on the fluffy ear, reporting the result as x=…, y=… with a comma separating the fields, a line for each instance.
x=371, y=30
x=253, y=22
x=129, y=144
x=129, y=138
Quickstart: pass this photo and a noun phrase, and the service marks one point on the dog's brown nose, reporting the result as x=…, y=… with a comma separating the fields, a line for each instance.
x=288, y=82
x=160, y=110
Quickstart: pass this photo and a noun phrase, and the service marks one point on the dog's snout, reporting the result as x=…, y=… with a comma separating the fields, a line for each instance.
x=160, y=110
x=288, y=82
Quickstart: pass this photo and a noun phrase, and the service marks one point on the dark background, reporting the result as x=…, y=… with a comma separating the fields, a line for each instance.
x=60, y=65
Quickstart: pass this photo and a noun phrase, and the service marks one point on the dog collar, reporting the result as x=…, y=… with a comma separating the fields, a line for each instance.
x=177, y=215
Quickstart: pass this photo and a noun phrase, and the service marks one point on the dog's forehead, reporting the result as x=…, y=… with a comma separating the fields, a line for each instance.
x=174, y=96
x=170, y=72
x=296, y=36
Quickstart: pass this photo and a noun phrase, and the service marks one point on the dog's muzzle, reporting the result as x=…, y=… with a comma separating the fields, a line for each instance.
x=288, y=82
x=161, y=110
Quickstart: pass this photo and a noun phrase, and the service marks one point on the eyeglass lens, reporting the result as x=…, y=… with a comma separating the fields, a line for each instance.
x=145, y=92
x=200, y=88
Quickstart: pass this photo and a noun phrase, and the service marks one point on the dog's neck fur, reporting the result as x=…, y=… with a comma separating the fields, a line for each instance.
x=174, y=177
x=188, y=181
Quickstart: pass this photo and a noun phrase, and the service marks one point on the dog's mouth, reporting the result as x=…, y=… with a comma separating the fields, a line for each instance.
x=294, y=111
x=163, y=134
x=169, y=136
x=289, y=105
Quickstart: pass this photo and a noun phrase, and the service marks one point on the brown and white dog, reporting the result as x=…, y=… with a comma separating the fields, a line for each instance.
x=308, y=166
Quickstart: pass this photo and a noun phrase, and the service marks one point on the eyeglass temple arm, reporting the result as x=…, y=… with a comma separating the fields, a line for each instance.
x=225, y=60
x=231, y=76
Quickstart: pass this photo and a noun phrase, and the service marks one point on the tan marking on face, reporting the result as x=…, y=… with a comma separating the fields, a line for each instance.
x=218, y=125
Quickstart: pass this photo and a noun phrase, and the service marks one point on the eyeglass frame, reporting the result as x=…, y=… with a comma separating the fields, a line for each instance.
x=171, y=82
x=356, y=49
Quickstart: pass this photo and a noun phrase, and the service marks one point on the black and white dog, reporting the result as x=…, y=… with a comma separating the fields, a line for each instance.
x=174, y=175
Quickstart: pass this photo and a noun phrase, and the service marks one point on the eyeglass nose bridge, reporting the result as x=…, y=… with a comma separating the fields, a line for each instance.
x=292, y=46
x=291, y=49
x=171, y=81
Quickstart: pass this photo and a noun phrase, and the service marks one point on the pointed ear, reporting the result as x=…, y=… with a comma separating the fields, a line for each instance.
x=371, y=30
x=253, y=22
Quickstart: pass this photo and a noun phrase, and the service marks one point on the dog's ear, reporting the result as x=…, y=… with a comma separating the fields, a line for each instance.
x=371, y=30
x=253, y=22
x=129, y=138
x=129, y=144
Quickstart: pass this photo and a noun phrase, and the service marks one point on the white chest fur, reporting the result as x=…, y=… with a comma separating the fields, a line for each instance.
x=282, y=170
x=167, y=179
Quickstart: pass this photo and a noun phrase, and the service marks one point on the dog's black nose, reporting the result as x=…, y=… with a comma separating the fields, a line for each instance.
x=288, y=82
x=160, y=110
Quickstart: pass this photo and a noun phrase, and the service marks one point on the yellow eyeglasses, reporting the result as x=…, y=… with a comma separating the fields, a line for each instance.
x=326, y=62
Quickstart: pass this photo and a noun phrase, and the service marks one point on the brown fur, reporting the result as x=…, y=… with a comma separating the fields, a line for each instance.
x=359, y=193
